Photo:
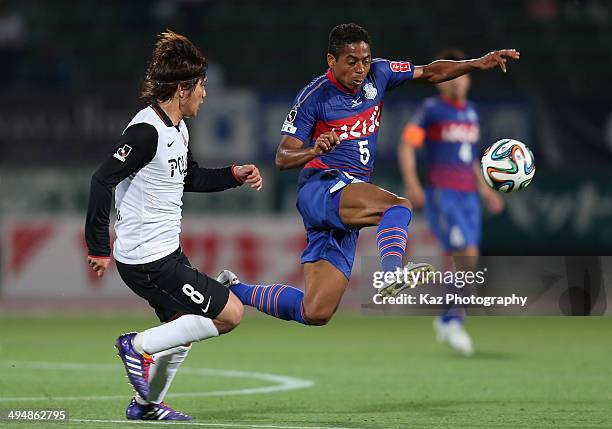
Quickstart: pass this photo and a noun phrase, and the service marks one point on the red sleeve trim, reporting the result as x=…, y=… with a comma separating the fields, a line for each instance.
x=101, y=257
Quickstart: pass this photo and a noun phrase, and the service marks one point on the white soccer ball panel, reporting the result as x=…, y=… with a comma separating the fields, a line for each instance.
x=508, y=165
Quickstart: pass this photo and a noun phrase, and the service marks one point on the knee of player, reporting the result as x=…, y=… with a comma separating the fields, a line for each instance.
x=403, y=202
x=318, y=316
x=395, y=202
x=234, y=313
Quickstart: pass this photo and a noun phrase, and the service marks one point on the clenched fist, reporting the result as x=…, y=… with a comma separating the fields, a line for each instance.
x=249, y=174
x=326, y=142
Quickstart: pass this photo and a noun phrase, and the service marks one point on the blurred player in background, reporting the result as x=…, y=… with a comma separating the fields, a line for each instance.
x=151, y=167
x=331, y=133
x=447, y=126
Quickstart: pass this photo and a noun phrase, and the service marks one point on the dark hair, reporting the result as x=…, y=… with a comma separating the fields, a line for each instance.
x=175, y=61
x=345, y=34
x=454, y=54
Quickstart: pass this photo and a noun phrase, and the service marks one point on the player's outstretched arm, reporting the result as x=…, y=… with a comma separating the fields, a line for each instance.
x=292, y=154
x=200, y=179
x=443, y=70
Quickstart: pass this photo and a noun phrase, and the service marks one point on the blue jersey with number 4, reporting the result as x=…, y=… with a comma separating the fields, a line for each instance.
x=451, y=133
x=324, y=105
x=449, y=130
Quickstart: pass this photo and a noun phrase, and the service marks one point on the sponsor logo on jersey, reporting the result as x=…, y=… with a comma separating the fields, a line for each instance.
x=288, y=125
x=455, y=132
x=467, y=133
x=361, y=125
x=171, y=143
x=205, y=309
x=400, y=66
x=123, y=152
x=179, y=164
x=370, y=91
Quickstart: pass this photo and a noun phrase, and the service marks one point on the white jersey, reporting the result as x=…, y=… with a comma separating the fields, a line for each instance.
x=150, y=168
x=149, y=201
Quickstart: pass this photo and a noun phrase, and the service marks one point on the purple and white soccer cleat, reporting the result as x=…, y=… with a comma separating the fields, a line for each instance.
x=136, y=364
x=135, y=411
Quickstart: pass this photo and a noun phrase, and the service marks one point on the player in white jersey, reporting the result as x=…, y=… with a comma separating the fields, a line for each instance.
x=151, y=168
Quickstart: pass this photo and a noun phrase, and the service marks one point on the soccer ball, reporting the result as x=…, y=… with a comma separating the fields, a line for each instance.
x=508, y=166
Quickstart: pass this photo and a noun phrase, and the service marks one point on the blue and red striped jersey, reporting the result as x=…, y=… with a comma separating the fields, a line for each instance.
x=450, y=132
x=324, y=105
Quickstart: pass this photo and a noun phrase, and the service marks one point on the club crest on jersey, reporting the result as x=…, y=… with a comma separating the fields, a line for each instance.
x=399, y=66
x=288, y=125
x=370, y=91
x=123, y=152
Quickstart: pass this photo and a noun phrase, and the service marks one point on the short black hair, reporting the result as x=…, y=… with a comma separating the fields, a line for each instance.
x=453, y=54
x=345, y=34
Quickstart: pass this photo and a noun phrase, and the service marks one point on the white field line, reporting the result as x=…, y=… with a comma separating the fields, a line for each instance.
x=281, y=383
x=219, y=424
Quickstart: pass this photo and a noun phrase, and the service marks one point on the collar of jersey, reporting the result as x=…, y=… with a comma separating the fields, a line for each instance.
x=453, y=103
x=162, y=115
x=338, y=85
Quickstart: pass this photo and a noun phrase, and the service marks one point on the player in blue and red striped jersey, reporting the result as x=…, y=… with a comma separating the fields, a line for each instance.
x=331, y=133
x=447, y=127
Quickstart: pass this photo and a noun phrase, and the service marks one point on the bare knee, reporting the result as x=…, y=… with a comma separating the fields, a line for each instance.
x=396, y=201
x=236, y=311
x=404, y=202
x=318, y=316
x=466, y=259
x=231, y=315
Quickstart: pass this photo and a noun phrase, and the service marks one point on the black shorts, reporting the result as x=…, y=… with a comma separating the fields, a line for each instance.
x=173, y=287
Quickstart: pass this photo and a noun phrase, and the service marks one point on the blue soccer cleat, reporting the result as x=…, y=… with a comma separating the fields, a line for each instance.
x=135, y=411
x=136, y=364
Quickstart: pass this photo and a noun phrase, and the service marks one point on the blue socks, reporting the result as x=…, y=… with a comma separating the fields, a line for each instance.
x=455, y=311
x=392, y=236
x=287, y=303
x=281, y=301
x=449, y=315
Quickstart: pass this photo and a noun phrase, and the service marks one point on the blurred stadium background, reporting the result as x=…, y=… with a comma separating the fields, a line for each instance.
x=71, y=80
x=71, y=74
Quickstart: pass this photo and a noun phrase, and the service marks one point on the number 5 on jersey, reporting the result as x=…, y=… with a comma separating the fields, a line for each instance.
x=364, y=152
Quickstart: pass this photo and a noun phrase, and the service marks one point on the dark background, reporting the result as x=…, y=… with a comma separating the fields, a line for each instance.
x=71, y=74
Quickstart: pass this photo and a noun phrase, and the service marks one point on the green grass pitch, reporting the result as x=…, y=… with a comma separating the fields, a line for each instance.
x=366, y=372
